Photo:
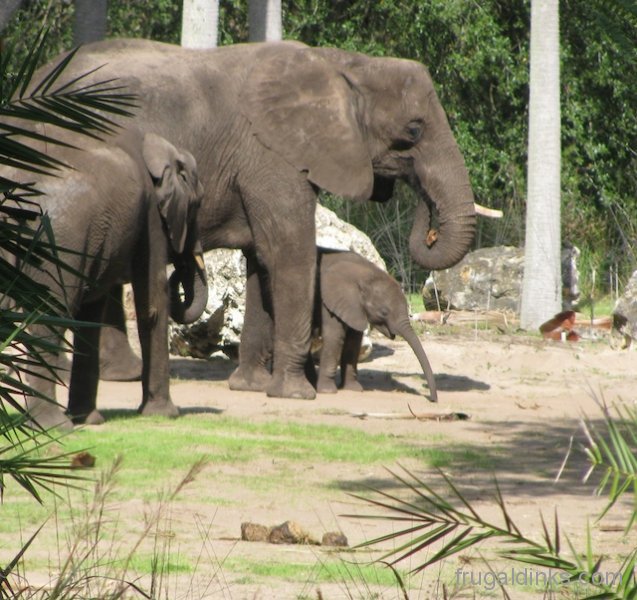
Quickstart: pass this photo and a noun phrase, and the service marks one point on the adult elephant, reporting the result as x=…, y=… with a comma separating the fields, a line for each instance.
x=272, y=123
x=119, y=211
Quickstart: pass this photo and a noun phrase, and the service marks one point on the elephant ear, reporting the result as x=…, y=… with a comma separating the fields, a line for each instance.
x=303, y=108
x=341, y=292
x=167, y=167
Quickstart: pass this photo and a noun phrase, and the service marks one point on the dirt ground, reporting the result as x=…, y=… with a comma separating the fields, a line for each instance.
x=524, y=397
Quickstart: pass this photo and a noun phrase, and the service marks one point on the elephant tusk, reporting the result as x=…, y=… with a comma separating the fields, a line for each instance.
x=492, y=213
x=432, y=236
x=200, y=263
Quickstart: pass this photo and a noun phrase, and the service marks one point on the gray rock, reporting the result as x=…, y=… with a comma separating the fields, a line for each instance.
x=624, y=330
x=491, y=279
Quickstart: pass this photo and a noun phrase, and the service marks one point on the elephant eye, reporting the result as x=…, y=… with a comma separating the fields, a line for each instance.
x=414, y=130
x=410, y=136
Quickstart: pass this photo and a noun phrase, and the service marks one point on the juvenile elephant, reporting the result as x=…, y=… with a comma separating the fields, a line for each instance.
x=121, y=211
x=352, y=293
x=271, y=124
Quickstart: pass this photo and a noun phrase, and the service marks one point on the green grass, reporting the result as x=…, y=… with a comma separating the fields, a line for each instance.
x=322, y=570
x=415, y=302
x=150, y=446
x=156, y=452
x=602, y=307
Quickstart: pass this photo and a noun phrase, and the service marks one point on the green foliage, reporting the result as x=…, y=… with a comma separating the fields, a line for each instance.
x=477, y=53
x=152, y=19
x=615, y=452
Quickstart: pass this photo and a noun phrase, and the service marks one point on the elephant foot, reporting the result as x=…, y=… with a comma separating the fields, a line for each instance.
x=128, y=368
x=291, y=386
x=327, y=386
x=49, y=417
x=95, y=417
x=246, y=379
x=161, y=409
x=352, y=385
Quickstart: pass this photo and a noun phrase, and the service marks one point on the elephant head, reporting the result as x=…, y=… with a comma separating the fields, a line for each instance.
x=359, y=293
x=355, y=124
x=178, y=193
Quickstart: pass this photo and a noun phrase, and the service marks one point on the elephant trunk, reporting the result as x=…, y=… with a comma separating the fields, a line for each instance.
x=444, y=222
x=406, y=331
x=191, y=274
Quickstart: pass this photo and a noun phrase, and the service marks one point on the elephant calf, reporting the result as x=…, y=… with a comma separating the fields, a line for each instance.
x=352, y=293
x=120, y=212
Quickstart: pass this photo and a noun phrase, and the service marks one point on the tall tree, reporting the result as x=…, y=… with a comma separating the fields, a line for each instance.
x=200, y=23
x=7, y=8
x=264, y=20
x=89, y=23
x=541, y=288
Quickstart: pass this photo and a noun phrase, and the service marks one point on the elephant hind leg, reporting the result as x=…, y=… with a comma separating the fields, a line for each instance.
x=85, y=370
x=44, y=411
x=255, y=351
x=118, y=362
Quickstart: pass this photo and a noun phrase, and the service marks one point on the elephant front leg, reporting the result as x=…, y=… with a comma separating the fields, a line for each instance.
x=349, y=360
x=333, y=336
x=281, y=218
x=82, y=407
x=150, y=289
x=292, y=299
x=256, y=348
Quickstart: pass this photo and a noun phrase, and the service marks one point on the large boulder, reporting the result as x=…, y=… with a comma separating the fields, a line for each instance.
x=624, y=329
x=220, y=326
x=491, y=279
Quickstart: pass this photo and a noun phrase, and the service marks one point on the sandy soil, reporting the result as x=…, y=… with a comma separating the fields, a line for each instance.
x=524, y=397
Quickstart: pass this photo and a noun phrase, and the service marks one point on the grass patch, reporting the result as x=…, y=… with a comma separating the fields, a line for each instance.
x=601, y=307
x=146, y=564
x=332, y=570
x=155, y=451
x=154, y=445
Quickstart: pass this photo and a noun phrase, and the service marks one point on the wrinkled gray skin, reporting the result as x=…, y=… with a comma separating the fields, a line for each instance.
x=128, y=208
x=352, y=293
x=270, y=124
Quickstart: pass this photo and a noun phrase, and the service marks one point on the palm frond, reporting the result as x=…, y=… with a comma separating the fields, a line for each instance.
x=445, y=524
x=34, y=116
x=615, y=451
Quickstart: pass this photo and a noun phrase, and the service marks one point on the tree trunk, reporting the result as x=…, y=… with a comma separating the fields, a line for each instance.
x=541, y=287
x=89, y=23
x=264, y=20
x=7, y=8
x=200, y=23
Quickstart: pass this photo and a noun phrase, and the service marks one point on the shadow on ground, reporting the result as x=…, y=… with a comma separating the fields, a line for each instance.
x=524, y=459
x=120, y=414
x=211, y=369
x=378, y=380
